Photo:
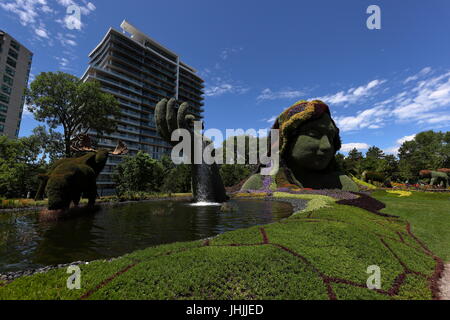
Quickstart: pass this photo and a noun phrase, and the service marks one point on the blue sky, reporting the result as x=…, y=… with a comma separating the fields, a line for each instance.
x=258, y=57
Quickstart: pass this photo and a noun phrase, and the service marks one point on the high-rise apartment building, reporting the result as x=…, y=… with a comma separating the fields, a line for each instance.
x=15, y=65
x=139, y=72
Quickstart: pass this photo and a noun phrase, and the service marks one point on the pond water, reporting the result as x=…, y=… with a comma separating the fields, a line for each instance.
x=27, y=243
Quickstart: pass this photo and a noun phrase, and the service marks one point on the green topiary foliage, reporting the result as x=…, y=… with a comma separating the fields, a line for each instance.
x=207, y=185
x=369, y=176
x=436, y=178
x=255, y=182
x=309, y=140
x=70, y=179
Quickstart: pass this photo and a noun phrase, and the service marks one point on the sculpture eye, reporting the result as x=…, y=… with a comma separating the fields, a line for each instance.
x=313, y=134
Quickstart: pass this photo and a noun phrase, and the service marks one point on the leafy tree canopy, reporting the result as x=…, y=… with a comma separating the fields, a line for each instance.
x=61, y=99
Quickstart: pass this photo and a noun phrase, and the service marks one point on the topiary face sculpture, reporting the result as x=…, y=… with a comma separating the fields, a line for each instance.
x=309, y=140
x=70, y=179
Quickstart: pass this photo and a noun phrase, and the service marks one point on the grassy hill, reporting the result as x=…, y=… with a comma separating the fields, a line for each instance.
x=319, y=253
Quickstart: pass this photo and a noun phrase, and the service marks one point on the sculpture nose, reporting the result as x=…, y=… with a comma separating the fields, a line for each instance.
x=324, y=145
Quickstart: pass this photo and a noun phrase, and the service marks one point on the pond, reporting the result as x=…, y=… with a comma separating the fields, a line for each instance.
x=27, y=243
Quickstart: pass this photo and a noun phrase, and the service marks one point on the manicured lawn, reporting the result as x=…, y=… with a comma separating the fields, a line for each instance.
x=428, y=213
x=319, y=253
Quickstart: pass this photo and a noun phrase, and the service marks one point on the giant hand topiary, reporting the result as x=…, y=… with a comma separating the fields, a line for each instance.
x=207, y=184
x=70, y=179
x=309, y=140
x=436, y=178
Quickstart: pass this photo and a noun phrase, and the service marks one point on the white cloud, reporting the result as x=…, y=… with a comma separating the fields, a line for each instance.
x=64, y=63
x=394, y=150
x=404, y=139
x=66, y=40
x=86, y=9
x=271, y=120
x=425, y=102
x=353, y=95
x=370, y=118
x=358, y=145
x=91, y=6
x=422, y=73
x=41, y=32
x=228, y=51
x=26, y=10
x=268, y=94
x=223, y=88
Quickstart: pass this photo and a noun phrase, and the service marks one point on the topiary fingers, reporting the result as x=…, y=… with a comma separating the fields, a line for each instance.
x=183, y=116
x=171, y=116
x=160, y=119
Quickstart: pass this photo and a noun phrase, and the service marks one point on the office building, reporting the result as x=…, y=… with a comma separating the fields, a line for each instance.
x=15, y=65
x=139, y=72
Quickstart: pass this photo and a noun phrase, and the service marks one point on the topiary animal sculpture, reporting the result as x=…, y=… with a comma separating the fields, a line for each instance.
x=436, y=178
x=70, y=179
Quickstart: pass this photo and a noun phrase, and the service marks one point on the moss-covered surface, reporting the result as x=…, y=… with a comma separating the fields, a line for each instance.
x=320, y=253
x=428, y=213
x=363, y=183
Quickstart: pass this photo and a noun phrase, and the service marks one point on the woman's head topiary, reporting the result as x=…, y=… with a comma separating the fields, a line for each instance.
x=290, y=121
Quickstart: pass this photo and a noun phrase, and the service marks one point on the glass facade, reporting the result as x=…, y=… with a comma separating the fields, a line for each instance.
x=15, y=65
x=139, y=75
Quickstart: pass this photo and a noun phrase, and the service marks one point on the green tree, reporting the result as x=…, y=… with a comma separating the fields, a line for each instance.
x=20, y=166
x=139, y=173
x=353, y=162
x=373, y=159
x=340, y=162
x=244, y=156
x=52, y=143
x=61, y=99
x=232, y=174
x=178, y=179
x=428, y=151
x=389, y=167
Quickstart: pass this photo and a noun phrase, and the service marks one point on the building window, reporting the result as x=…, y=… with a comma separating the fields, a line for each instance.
x=4, y=98
x=15, y=45
x=2, y=128
x=11, y=62
x=6, y=89
x=3, y=108
x=10, y=71
x=7, y=80
x=13, y=54
x=2, y=118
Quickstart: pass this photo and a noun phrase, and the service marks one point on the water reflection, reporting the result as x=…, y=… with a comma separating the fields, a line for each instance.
x=27, y=243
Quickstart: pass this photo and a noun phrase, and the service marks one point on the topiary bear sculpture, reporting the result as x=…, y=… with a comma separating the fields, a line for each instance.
x=70, y=179
x=436, y=178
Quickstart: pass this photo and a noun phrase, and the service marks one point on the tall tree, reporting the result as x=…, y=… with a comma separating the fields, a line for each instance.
x=352, y=163
x=139, y=173
x=372, y=161
x=52, y=143
x=428, y=151
x=19, y=166
x=61, y=99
